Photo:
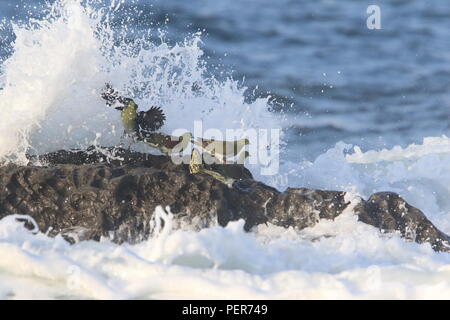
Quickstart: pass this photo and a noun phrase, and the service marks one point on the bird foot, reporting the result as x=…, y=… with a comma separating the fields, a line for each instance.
x=195, y=165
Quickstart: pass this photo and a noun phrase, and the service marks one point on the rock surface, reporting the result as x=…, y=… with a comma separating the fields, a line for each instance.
x=88, y=195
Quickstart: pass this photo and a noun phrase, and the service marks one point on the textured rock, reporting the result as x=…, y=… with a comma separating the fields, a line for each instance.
x=389, y=212
x=89, y=195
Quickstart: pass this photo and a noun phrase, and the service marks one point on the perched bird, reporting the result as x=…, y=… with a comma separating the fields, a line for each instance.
x=222, y=150
x=142, y=126
x=196, y=166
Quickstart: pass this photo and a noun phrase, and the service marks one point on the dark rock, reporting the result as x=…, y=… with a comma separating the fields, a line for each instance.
x=91, y=194
x=389, y=212
x=302, y=208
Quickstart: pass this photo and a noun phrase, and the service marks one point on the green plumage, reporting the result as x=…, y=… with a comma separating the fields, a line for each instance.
x=142, y=126
x=129, y=116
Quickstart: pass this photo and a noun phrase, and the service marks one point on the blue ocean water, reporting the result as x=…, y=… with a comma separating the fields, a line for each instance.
x=333, y=78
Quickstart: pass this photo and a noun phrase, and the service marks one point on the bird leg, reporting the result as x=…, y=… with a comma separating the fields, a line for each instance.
x=195, y=165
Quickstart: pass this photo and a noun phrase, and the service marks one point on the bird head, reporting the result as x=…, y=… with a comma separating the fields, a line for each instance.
x=126, y=103
x=187, y=136
x=243, y=142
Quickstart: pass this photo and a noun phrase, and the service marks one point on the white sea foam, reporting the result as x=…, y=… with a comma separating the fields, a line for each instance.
x=340, y=259
x=52, y=81
x=419, y=173
x=50, y=100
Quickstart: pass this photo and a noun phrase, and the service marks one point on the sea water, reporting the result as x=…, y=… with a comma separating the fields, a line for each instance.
x=362, y=127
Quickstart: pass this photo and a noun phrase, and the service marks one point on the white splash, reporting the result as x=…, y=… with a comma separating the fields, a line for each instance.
x=52, y=81
x=50, y=100
x=335, y=259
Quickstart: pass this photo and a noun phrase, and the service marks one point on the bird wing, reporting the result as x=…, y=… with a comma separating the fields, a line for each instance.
x=150, y=120
x=221, y=148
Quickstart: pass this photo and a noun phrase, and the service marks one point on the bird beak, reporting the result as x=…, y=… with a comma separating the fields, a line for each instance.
x=119, y=108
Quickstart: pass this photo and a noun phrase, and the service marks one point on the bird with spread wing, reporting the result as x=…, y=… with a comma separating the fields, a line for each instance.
x=143, y=126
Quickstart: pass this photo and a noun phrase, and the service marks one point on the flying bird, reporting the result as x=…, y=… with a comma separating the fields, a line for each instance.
x=139, y=125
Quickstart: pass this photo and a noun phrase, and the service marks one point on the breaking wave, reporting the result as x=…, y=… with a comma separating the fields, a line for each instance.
x=50, y=100
x=52, y=81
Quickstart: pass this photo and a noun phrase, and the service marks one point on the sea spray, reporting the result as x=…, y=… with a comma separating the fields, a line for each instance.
x=59, y=64
x=49, y=100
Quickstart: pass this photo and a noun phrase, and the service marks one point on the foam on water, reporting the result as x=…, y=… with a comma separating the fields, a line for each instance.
x=419, y=173
x=340, y=259
x=50, y=100
x=52, y=81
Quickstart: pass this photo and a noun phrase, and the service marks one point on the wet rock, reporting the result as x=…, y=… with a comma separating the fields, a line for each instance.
x=303, y=208
x=389, y=212
x=113, y=193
